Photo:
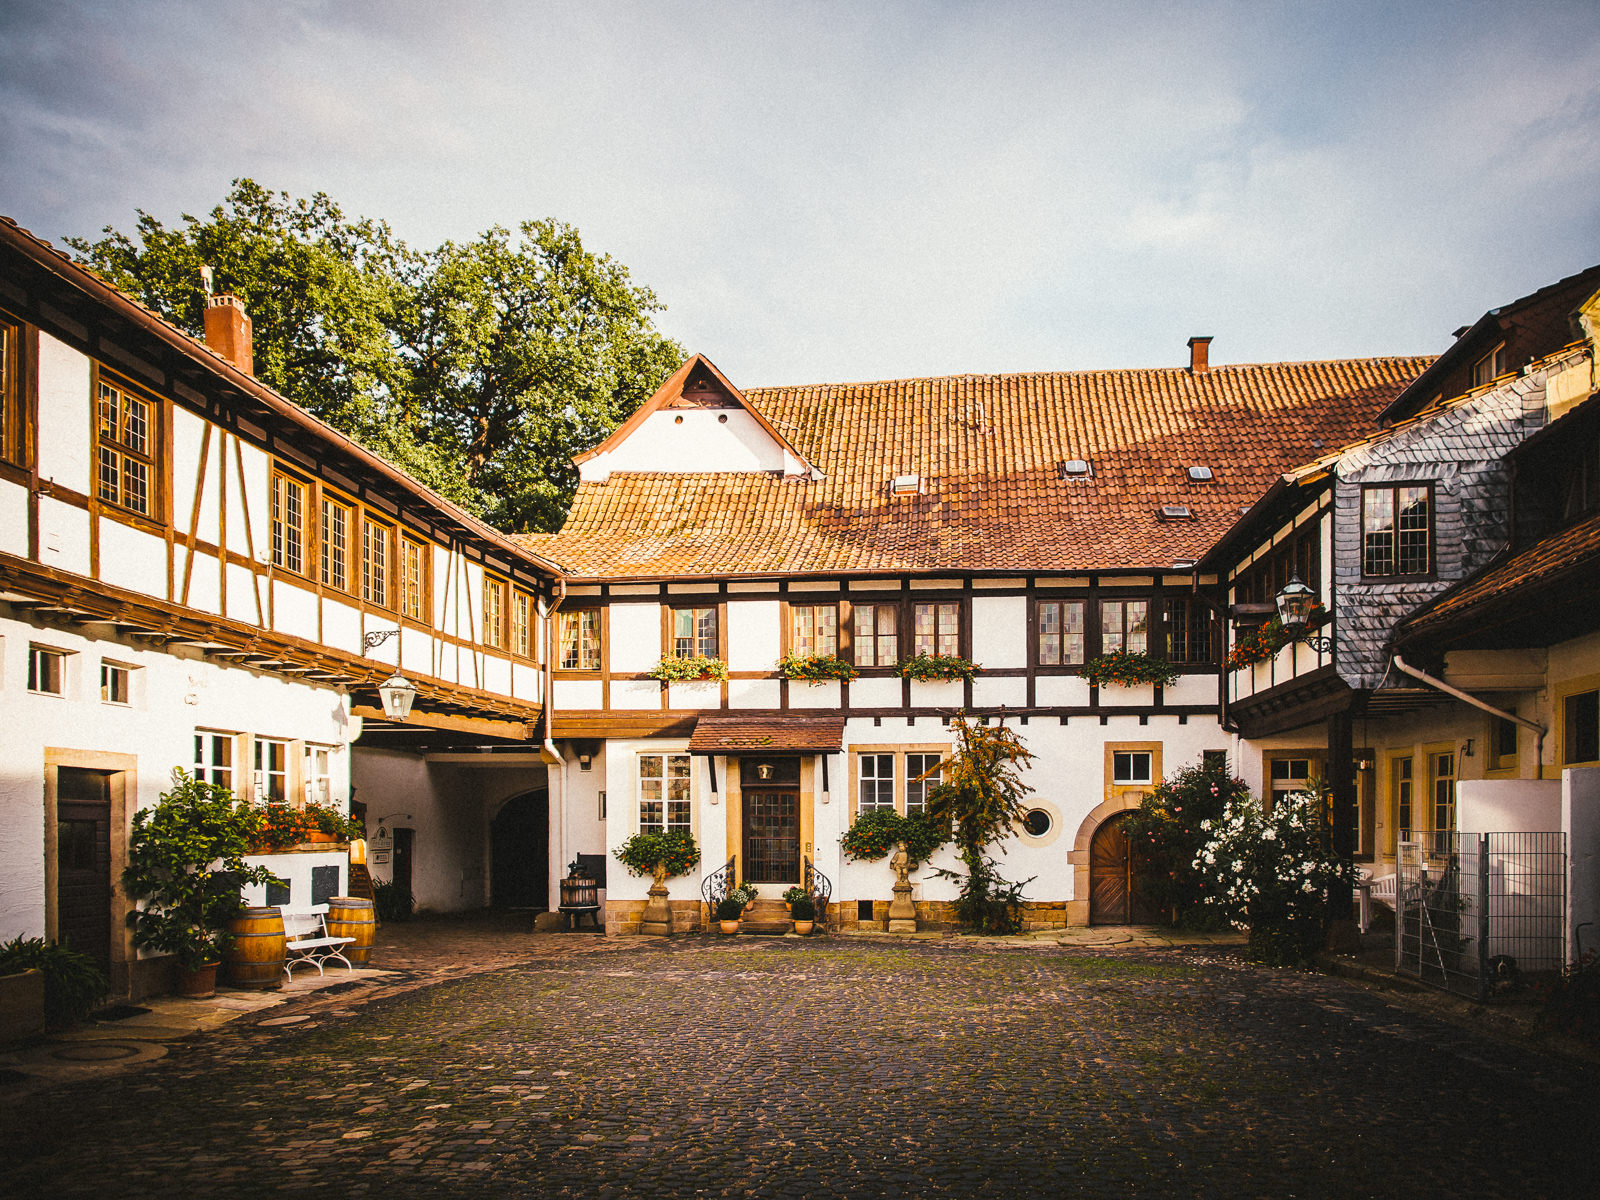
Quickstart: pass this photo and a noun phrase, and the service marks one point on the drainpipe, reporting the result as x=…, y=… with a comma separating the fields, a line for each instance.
x=1444, y=687
x=556, y=766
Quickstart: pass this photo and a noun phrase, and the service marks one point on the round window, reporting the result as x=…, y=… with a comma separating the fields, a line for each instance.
x=1037, y=822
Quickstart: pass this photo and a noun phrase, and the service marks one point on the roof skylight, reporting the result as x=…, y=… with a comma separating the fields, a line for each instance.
x=1076, y=468
x=1198, y=474
x=1175, y=512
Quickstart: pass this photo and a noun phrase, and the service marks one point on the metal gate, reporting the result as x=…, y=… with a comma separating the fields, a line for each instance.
x=1481, y=908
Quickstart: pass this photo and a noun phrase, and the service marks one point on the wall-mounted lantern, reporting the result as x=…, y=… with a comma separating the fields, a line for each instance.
x=398, y=693
x=1295, y=603
x=765, y=772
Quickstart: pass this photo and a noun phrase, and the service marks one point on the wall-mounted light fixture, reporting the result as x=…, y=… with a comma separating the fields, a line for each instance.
x=397, y=693
x=1295, y=603
x=765, y=771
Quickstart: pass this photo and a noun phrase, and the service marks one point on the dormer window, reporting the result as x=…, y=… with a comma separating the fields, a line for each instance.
x=906, y=485
x=1490, y=367
x=1175, y=512
x=1077, y=468
x=1201, y=475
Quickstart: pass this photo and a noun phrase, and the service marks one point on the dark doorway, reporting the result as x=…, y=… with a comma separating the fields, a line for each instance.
x=770, y=788
x=1117, y=891
x=83, y=862
x=405, y=845
x=519, y=853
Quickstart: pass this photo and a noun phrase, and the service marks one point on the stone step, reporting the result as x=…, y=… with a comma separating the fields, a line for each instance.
x=771, y=928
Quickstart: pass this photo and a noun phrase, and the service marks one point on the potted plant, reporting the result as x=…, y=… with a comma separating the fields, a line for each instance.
x=814, y=668
x=729, y=909
x=688, y=668
x=186, y=863
x=804, y=912
x=1129, y=668
x=661, y=856
x=46, y=983
x=793, y=894
x=935, y=668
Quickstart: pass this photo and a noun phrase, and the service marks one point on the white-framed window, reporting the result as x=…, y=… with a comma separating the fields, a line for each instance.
x=814, y=629
x=1288, y=774
x=213, y=757
x=1443, y=781
x=116, y=683
x=665, y=797
x=319, y=774
x=47, y=670
x=1130, y=767
x=271, y=771
x=875, y=782
x=923, y=772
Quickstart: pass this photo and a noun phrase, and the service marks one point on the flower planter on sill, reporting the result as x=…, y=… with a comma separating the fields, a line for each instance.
x=316, y=843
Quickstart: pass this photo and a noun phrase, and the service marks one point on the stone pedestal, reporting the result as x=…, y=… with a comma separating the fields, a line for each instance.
x=657, y=920
x=902, y=913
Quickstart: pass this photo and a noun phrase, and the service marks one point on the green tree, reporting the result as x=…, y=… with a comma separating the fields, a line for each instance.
x=523, y=350
x=480, y=368
x=981, y=798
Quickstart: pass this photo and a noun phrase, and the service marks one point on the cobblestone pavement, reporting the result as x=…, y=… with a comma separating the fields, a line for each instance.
x=585, y=1066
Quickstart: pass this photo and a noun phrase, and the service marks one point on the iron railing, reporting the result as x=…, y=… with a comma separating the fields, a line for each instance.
x=1489, y=910
x=714, y=887
x=821, y=888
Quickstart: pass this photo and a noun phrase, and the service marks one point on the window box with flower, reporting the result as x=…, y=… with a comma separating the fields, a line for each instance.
x=688, y=668
x=939, y=668
x=1262, y=643
x=816, y=668
x=1129, y=668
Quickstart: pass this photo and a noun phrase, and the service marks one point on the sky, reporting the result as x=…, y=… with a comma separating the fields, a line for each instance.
x=831, y=192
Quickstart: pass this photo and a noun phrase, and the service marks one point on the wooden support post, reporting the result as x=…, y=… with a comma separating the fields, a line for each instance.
x=1342, y=796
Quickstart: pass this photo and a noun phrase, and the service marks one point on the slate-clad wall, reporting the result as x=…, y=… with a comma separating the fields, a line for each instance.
x=1462, y=451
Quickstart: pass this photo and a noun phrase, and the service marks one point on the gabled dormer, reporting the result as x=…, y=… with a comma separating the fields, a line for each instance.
x=697, y=422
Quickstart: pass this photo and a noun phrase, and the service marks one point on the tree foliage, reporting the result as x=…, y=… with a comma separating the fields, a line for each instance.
x=479, y=367
x=981, y=798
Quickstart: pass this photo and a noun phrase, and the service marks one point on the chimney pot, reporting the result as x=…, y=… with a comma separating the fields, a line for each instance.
x=228, y=331
x=1199, y=355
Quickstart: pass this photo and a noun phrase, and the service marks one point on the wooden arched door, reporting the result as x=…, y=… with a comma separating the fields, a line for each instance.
x=1117, y=894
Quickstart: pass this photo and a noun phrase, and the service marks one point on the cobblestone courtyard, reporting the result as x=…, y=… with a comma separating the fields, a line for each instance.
x=825, y=1067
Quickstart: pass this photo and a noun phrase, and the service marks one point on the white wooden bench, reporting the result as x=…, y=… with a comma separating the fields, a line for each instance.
x=1369, y=889
x=306, y=940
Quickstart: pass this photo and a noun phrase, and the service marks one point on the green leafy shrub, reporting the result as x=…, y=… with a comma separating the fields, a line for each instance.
x=1128, y=668
x=675, y=850
x=988, y=903
x=675, y=668
x=729, y=908
x=816, y=667
x=794, y=894
x=74, y=984
x=874, y=833
x=186, y=862
x=804, y=909
x=391, y=902
x=938, y=667
x=1167, y=837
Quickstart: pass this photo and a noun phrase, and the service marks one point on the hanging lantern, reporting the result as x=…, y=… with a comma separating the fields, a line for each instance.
x=398, y=693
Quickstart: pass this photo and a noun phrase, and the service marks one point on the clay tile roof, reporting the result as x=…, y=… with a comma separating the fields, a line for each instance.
x=988, y=450
x=788, y=734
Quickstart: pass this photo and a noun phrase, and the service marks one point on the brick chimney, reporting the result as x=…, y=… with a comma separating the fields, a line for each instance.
x=1199, y=354
x=228, y=331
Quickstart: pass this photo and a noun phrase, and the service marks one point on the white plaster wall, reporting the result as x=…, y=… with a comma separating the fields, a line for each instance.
x=496, y=674
x=989, y=692
x=172, y=696
x=753, y=634
x=187, y=430
x=133, y=559
x=696, y=694
x=635, y=637
x=294, y=609
x=341, y=630
x=877, y=692
x=1000, y=631
x=1191, y=689
x=937, y=695
x=243, y=593
x=691, y=440
x=822, y=694
x=295, y=871
x=527, y=682
x=63, y=536
x=753, y=693
x=1508, y=805
x=1061, y=691
x=635, y=694
x=1140, y=695
x=581, y=694
x=13, y=518
x=252, y=490
x=66, y=426
x=1580, y=818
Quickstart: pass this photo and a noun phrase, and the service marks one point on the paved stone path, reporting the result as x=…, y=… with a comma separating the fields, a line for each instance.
x=584, y=1066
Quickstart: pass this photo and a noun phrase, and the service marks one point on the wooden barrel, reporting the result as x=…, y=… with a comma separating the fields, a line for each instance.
x=351, y=916
x=255, y=959
x=580, y=891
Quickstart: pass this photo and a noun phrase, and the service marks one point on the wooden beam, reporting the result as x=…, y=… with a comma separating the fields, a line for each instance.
x=518, y=731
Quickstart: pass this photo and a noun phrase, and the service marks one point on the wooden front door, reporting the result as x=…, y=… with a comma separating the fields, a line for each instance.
x=1117, y=895
x=405, y=845
x=772, y=836
x=83, y=862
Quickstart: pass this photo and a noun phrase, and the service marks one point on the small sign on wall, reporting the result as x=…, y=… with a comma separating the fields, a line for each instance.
x=380, y=858
x=602, y=806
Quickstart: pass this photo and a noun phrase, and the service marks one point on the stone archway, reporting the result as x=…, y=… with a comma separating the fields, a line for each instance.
x=1079, y=857
x=1118, y=894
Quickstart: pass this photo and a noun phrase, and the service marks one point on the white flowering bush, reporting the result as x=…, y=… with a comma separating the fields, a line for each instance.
x=1270, y=873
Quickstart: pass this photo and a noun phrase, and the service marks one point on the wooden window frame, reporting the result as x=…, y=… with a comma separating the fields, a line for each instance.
x=60, y=672
x=812, y=642
x=696, y=638
x=1060, y=606
x=1394, y=531
x=387, y=583
x=524, y=641
x=665, y=800
x=415, y=596
x=109, y=673
x=1486, y=368
x=496, y=593
x=18, y=405
x=1191, y=605
x=1101, y=602
x=1566, y=713
x=303, y=539
x=896, y=606
x=1402, y=796
x=1439, y=830
x=122, y=451
x=329, y=555
x=1315, y=761
x=939, y=646
x=566, y=615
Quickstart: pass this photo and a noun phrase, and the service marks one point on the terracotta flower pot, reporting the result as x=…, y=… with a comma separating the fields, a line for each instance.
x=804, y=927
x=729, y=926
x=200, y=983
